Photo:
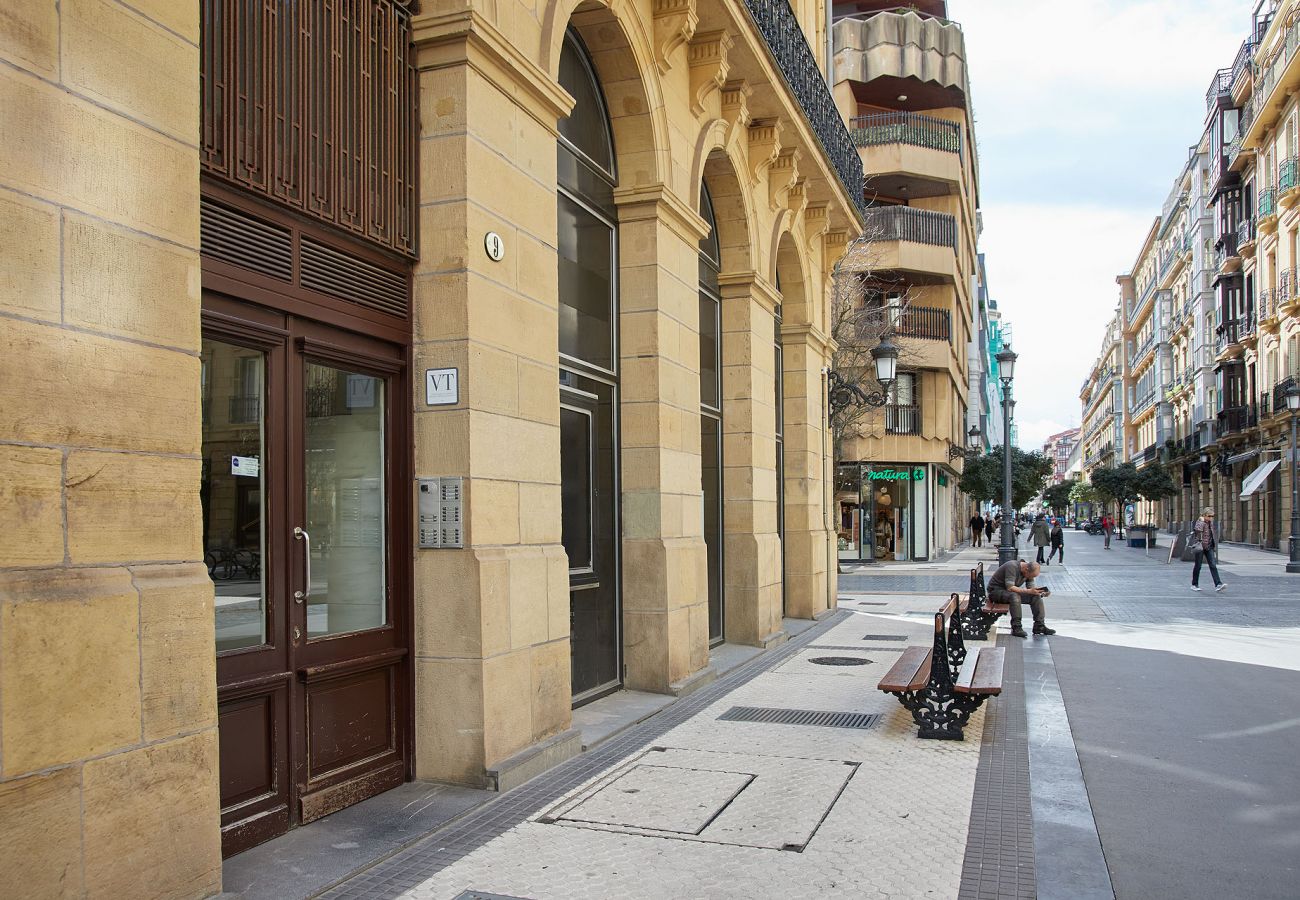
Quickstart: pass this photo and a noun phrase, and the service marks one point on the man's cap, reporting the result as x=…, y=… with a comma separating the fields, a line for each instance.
x=1208, y=511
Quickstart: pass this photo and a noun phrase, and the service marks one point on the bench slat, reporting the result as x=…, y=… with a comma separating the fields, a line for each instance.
x=998, y=607
x=982, y=672
x=910, y=673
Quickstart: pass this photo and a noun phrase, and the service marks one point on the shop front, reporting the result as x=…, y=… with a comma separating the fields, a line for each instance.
x=883, y=512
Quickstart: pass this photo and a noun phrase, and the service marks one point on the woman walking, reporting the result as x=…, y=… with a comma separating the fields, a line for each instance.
x=1058, y=543
x=1041, y=535
x=1107, y=526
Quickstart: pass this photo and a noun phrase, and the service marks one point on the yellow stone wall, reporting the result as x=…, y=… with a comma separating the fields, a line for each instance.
x=691, y=94
x=108, y=742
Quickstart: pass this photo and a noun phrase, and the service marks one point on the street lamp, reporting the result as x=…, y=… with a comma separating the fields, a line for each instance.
x=1006, y=372
x=972, y=450
x=843, y=394
x=1293, y=404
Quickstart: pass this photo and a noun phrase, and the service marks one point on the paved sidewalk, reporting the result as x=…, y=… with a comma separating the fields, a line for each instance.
x=691, y=805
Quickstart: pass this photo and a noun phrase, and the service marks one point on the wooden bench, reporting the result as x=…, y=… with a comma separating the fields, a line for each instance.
x=980, y=613
x=941, y=685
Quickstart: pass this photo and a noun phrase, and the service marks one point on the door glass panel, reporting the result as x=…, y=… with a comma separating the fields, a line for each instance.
x=576, y=488
x=232, y=490
x=345, y=500
x=711, y=482
x=586, y=257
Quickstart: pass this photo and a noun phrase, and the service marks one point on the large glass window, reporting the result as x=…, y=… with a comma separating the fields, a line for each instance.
x=711, y=410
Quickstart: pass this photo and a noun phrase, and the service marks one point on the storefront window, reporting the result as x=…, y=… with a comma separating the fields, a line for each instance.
x=848, y=504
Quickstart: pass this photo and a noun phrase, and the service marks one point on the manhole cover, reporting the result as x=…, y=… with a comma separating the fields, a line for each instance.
x=839, y=661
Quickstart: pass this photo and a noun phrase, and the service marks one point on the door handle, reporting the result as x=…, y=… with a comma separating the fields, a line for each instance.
x=303, y=536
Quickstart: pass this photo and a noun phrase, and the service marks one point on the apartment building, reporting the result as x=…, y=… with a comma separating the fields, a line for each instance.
x=1211, y=310
x=1059, y=448
x=901, y=83
x=474, y=353
x=1101, y=432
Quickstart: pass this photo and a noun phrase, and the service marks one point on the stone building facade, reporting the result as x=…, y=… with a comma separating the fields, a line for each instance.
x=379, y=382
x=901, y=82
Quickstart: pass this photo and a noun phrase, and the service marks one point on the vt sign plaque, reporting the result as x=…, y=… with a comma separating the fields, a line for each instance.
x=441, y=387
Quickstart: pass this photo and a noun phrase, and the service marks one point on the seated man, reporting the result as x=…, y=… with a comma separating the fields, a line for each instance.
x=1014, y=581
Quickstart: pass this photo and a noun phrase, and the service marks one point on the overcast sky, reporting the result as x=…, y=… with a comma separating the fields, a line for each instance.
x=1083, y=117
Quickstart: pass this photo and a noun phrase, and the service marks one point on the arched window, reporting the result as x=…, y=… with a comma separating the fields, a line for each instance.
x=711, y=408
x=587, y=251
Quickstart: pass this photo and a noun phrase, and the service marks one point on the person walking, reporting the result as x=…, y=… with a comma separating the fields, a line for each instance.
x=1206, y=549
x=1012, y=584
x=1041, y=535
x=989, y=524
x=976, y=529
x=1058, y=542
x=1107, y=528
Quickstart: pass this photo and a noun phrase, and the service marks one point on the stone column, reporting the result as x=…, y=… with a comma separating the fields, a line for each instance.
x=809, y=554
x=108, y=739
x=492, y=660
x=752, y=556
x=665, y=578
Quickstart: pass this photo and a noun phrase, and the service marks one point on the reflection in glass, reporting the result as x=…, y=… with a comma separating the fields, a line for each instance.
x=586, y=261
x=232, y=490
x=345, y=500
x=576, y=488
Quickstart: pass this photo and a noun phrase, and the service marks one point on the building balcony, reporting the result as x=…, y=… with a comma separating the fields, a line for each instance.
x=1266, y=307
x=785, y=39
x=1288, y=179
x=909, y=154
x=1143, y=350
x=1288, y=292
x=884, y=55
x=1227, y=256
x=1234, y=420
x=1279, y=394
x=1241, y=66
x=1246, y=238
x=1227, y=338
x=902, y=418
x=1276, y=75
x=1220, y=89
x=929, y=323
x=908, y=239
x=1267, y=204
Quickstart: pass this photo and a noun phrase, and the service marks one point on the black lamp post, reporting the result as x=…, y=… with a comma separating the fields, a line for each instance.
x=1293, y=404
x=1006, y=371
x=842, y=394
x=972, y=450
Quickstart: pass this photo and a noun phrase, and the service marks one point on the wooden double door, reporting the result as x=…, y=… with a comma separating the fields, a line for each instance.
x=306, y=508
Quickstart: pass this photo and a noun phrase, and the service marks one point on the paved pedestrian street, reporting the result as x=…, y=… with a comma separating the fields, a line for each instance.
x=1147, y=750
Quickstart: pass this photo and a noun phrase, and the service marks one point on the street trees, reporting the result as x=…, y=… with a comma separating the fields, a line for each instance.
x=1126, y=482
x=981, y=479
x=1057, y=497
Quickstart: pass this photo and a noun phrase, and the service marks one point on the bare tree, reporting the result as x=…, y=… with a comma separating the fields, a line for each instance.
x=867, y=302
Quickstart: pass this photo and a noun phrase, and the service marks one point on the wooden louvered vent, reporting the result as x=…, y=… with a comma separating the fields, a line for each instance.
x=308, y=106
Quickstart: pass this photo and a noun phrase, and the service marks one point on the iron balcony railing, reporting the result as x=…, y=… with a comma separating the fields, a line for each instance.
x=245, y=409
x=926, y=322
x=784, y=38
x=904, y=223
x=1246, y=325
x=1245, y=231
x=1264, y=304
x=1288, y=174
x=1265, y=404
x=1267, y=202
x=1287, y=285
x=1241, y=64
x=1267, y=72
x=1226, y=335
x=914, y=129
x=1279, y=392
x=1143, y=349
x=903, y=418
x=1234, y=419
x=1140, y=405
x=1220, y=85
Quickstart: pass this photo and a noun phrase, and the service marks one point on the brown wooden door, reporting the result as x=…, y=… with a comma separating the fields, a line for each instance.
x=305, y=530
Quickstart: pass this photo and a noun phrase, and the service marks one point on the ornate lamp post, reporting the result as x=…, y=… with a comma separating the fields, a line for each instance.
x=968, y=452
x=1006, y=371
x=842, y=394
x=1293, y=404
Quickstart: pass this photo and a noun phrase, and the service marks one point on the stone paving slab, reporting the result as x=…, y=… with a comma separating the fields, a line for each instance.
x=840, y=812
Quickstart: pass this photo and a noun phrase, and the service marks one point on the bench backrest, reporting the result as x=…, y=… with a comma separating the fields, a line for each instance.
x=949, y=650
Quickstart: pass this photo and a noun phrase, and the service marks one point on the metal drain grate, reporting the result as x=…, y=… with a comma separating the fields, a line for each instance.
x=884, y=637
x=839, y=661
x=822, y=718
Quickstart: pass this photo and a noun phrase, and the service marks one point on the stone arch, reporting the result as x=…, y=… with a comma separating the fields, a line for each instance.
x=732, y=207
x=620, y=51
x=789, y=272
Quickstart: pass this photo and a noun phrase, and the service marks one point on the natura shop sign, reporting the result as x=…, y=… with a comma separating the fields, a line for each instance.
x=916, y=473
